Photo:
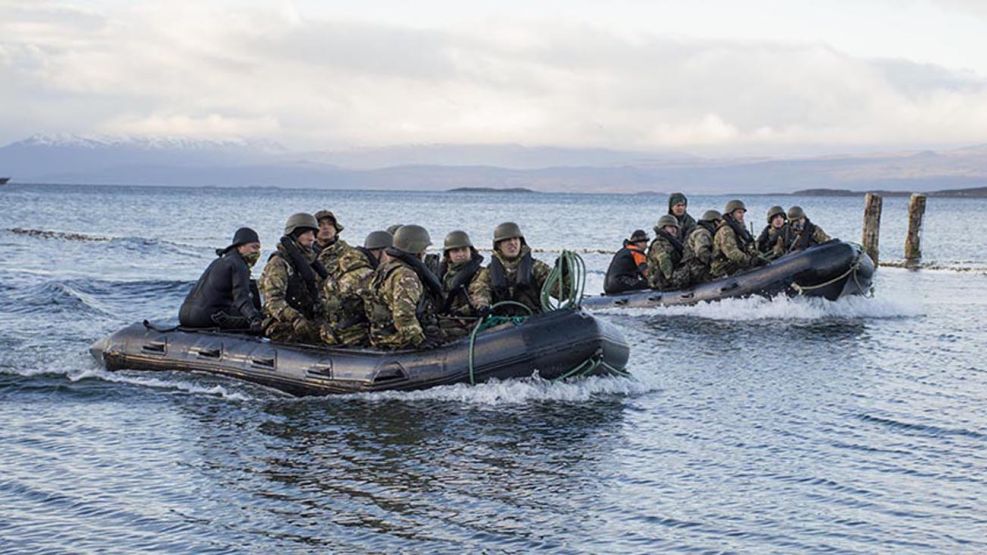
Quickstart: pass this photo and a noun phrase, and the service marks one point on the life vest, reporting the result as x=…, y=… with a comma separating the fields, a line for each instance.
x=458, y=287
x=522, y=290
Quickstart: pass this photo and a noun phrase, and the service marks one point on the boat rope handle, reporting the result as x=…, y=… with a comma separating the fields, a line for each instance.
x=853, y=270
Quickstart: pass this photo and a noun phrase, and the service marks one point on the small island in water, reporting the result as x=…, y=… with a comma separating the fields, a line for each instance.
x=973, y=192
x=490, y=190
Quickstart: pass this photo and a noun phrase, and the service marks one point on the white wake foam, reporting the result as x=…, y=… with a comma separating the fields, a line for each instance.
x=785, y=308
x=169, y=384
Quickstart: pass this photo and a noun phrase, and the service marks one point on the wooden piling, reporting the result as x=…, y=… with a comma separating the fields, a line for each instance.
x=872, y=225
x=913, y=245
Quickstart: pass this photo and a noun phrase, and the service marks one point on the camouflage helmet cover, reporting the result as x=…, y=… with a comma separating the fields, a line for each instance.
x=328, y=215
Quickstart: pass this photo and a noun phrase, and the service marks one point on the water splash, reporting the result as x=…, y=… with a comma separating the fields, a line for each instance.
x=784, y=308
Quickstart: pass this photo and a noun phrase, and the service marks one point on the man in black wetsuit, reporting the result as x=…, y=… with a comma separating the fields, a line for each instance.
x=628, y=270
x=223, y=296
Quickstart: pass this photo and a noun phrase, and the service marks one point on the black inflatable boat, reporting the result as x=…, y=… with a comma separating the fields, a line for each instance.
x=831, y=270
x=559, y=344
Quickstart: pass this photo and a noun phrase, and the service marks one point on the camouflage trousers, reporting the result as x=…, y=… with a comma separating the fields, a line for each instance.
x=297, y=331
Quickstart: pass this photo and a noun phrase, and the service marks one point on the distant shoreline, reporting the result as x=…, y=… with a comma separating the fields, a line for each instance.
x=490, y=190
x=974, y=192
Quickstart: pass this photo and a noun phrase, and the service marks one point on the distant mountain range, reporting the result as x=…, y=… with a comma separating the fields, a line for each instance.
x=141, y=161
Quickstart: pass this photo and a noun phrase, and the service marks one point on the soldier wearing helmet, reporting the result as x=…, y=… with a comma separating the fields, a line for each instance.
x=290, y=284
x=665, y=272
x=404, y=295
x=678, y=206
x=775, y=238
x=329, y=246
x=344, y=295
x=460, y=267
x=699, y=248
x=806, y=233
x=733, y=245
x=512, y=275
x=628, y=269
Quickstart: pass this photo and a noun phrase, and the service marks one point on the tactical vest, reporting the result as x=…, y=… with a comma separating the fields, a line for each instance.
x=298, y=295
x=457, y=288
x=523, y=290
x=426, y=310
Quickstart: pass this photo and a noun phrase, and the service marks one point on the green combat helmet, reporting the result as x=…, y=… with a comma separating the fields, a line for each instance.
x=507, y=230
x=392, y=229
x=734, y=205
x=667, y=219
x=328, y=215
x=795, y=213
x=300, y=220
x=775, y=211
x=457, y=240
x=412, y=238
x=711, y=216
x=378, y=240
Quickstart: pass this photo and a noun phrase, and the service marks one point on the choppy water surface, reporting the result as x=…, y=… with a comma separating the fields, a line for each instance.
x=749, y=425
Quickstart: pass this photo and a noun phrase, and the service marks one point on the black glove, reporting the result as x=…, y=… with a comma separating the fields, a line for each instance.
x=257, y=326
x=430, y=343
x=484, y=311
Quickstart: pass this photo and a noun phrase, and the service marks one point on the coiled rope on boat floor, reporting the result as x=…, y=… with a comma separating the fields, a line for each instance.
x=563, y=290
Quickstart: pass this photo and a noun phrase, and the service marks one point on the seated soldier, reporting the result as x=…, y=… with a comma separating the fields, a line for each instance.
x=404, y=295
x=460, y=267
x=665, y=272
x=328, y=245
x=223, y=296
x=346, y=319
x=699, y=248
x=733, y=246
x=512, y=275
x=628, y=270
x=290, y=284
x=775, y=238
x=806, y=234
x=677, y=206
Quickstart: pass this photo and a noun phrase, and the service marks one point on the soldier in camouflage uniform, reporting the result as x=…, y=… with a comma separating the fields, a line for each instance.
x=328, y=244
x=346, y=319
x=775, y=238
x=699, y=248
x=733, y=247
x=290, y=284
x=404, y=295
x=806, y=234
x=512, y=275
x=677, y=206
x=665, y=272
x=460, y=267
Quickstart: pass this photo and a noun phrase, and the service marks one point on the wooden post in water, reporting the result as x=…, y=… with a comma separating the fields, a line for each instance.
x=913, y=245
x=872, y=225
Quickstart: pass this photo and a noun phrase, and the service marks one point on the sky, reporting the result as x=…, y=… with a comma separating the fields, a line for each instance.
x=759, y=77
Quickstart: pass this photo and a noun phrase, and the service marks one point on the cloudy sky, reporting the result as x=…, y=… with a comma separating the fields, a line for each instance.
x=704, y=76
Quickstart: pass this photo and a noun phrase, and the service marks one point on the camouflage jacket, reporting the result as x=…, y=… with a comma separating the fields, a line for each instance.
x=521, y=281
x=810, y=236
x=774, y=242
x=395, y=300
x=686, y=224
x=457, y=281
x=330, y=255
x=730, y=253
x=664, y=271
x=343, y=296
x=698, y=253
x=286, y=295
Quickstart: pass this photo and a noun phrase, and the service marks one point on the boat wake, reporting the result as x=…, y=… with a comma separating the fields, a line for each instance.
x=784, y=308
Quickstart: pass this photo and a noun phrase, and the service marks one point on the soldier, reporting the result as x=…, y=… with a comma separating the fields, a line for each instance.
x=665, y=256
x=224, y=295
x=628, y=270
x=290, y=284
x=699, y=248
x=806, y=233
x=459, y=269
x=512, y=275
x=677, y=205
x=733, y=246
x=775, y=238
x=346, y=319
x=404, y=295
x=329, y=246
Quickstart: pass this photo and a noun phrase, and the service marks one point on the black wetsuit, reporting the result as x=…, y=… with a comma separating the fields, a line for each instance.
x=223, y=297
